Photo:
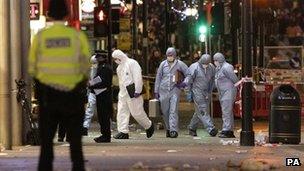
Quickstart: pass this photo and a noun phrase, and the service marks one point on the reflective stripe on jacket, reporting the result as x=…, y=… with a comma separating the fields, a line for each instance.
x=59, y=57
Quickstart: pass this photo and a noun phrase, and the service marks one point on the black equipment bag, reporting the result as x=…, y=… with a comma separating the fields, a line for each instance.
x=131, y=90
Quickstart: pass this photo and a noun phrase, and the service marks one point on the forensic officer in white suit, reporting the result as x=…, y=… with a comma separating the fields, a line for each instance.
x=129, y=72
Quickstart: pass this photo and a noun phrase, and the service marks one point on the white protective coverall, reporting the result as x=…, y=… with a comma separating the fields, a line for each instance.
x=128, y=72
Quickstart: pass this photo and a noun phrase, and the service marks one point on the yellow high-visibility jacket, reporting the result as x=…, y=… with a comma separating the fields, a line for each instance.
x=59, y=57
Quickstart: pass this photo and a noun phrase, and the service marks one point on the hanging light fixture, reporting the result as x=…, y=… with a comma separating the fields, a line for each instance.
x=186, y=10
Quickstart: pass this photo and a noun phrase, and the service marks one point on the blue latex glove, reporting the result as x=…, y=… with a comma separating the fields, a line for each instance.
x=156, y=95
x=189, y=96
x=208, y=97
x=136, y=95
x=181, y=85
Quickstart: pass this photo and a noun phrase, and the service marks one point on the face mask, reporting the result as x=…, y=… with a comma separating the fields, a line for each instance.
x=216, y=63
x=205, y=66
x=93, y=60
x=170, y=58
x=117, y=61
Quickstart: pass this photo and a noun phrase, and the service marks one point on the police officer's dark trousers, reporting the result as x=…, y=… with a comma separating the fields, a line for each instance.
x=104, y=112
x=62, y=131
x=58, y=106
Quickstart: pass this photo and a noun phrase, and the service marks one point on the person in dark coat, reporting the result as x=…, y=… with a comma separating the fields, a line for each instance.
x=101, y=87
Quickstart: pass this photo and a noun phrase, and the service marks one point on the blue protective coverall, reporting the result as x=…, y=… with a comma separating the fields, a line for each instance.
x=201, y=82
x=165, y=86
x=225, y=78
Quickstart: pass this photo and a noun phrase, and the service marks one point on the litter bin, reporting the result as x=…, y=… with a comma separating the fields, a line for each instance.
x=285, y=116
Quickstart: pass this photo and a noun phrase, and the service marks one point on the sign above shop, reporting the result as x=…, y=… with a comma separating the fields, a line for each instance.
x=34, y=11
x=86, y=11
x=88, y=6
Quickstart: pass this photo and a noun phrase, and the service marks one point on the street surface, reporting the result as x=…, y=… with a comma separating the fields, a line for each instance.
x=160, y=153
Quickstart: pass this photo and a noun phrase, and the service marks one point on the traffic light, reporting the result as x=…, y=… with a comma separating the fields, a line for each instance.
x=202, y=23
x=202, y=29
x=115, y=15
x=100, y=22
x=217, y=25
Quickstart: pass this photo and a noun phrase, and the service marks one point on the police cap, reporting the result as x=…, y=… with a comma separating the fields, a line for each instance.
x=57, y=9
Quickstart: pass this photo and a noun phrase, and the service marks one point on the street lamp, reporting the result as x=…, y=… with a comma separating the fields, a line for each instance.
x=247, y=133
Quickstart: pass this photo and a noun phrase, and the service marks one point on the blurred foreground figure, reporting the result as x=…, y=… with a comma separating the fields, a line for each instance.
x=59, y=64
x=130, y=99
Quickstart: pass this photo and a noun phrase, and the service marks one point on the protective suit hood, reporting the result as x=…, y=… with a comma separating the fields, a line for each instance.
x=93, y=59
x=118, y=54
x=171, y=52
x=205, y=59
x=219, y=57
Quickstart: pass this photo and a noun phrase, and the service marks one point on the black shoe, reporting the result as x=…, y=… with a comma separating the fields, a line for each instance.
x=173, y=134
x=168, y=133
x=192, y=132
x=60, y=139
x=102, y=139
x=213, y=132
x=84, y=131
x=121, y=135
x=150, y=131
x=226, y=134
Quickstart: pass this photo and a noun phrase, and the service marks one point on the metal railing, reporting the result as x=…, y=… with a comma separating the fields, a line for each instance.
x=33, y=134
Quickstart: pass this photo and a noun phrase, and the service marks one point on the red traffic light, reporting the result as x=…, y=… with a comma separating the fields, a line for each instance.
x=101, y=16
x=100, y=22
